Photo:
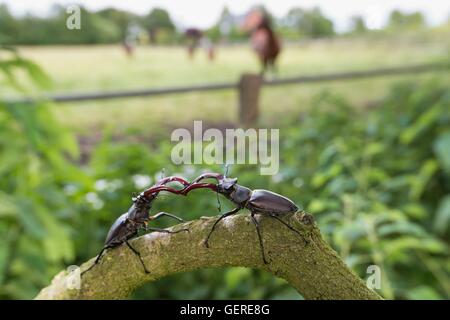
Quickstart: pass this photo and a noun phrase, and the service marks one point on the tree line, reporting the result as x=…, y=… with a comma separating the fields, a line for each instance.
x=113, y=25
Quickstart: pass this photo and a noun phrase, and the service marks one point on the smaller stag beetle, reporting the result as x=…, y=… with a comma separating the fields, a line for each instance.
x=260, y=201
x=137, y=218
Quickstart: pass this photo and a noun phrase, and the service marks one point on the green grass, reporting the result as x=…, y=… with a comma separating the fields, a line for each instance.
x=97, y=68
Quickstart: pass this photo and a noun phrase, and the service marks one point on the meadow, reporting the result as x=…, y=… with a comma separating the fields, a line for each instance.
x=103, y=68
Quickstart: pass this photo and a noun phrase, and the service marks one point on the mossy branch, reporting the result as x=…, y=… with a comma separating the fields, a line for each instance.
x=313, y=269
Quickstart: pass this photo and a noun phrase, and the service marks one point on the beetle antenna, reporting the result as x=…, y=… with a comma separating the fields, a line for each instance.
x=227, y=166
x=219, y=205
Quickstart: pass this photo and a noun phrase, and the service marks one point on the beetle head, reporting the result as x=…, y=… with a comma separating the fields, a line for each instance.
x=140, y=208
x=227, y=185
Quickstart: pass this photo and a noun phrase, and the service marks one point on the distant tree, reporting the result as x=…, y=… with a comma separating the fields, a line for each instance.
x=310, y=23
x=34, y=30
x=158, y=20
x=122, y=19
x=227, y=27
x=95, y=29
x=358, y=25
x=225, y=23
x=398, y=19
x=214, y=33
x=9, y=26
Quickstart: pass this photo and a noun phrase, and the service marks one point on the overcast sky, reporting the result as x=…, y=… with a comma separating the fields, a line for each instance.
x=203, y=13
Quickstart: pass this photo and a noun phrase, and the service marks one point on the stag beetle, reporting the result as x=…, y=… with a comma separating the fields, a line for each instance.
x=137, y=218
x=259, y=201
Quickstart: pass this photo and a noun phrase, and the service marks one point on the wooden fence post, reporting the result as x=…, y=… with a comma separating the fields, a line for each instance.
x=249, y=87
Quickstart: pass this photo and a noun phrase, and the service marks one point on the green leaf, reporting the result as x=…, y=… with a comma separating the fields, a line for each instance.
x=235, y=276
x=38, y=76
x=425, y=121
x=418, y=184
x=7, y=205
x=401, y=227
x=442, y=150
x=423, y=293
x=57, y=243
x=442, y=217
x=374, y=148
x=409, y=243
x=4, y=253
x=28, y=219
x=415, y=211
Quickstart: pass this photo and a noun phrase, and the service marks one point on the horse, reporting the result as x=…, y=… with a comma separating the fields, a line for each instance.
x=193, y=36
x=195, y=39
x=263, y=39
x=129, y=45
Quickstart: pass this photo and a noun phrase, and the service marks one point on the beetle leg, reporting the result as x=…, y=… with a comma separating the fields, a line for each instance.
x=88, y=269
x=219, y=205
x=100, y=255
x=289, y=226
x=162, y=214
x=165, y=230
x=138, y=254
x=261, y=245
x=98, y=259
x=229, y=213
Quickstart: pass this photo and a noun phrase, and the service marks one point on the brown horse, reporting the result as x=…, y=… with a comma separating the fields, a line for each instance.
x=264, y=41
x=129, y=45
x=128, y=48
x=195, y=39
x=193, y=36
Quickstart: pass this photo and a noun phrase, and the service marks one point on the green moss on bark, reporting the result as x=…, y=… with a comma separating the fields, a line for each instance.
x=313, y=269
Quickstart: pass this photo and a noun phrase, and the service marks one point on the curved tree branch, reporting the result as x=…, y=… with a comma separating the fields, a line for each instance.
x=313, y=269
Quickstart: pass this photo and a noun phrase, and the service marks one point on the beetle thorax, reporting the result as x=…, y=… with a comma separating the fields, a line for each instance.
x=240, y=195
x=139, y=210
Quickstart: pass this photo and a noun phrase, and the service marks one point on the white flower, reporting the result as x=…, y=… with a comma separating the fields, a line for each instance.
x=94, y=200
x=141, y=181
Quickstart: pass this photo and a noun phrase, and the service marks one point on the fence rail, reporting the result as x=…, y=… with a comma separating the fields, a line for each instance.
x=248, y=87
x=362, y=74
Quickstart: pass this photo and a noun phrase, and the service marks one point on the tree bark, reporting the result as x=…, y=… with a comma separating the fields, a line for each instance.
x=313, y=269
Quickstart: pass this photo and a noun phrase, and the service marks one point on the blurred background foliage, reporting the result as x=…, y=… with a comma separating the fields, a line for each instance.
x=111, y=25
x=377, y=179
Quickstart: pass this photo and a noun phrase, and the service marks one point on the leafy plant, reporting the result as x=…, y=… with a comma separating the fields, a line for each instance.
x=379, y=184
x=35, y=212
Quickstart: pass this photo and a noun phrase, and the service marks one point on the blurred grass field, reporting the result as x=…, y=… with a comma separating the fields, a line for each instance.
x=102, y=68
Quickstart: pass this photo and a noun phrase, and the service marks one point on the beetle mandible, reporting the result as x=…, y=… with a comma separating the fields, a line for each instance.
x=137, y=217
